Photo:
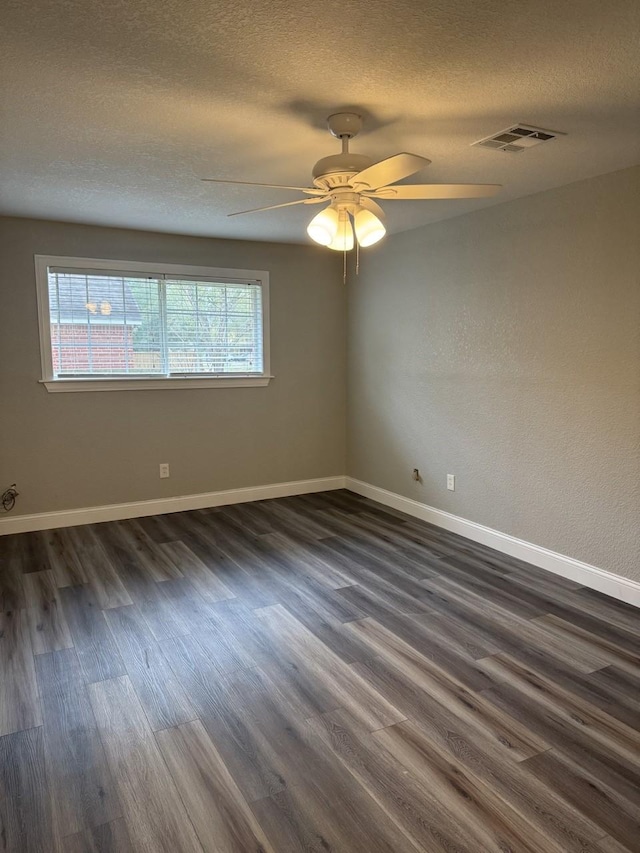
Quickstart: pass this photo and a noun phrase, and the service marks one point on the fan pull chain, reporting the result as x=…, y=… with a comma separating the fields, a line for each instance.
x=344, y=268
x=357, y=258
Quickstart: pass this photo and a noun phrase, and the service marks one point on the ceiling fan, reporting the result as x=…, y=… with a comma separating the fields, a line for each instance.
x=351, y=183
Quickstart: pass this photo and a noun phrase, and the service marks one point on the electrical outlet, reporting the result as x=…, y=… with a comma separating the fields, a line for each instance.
x=451, y=482
x=164, y=470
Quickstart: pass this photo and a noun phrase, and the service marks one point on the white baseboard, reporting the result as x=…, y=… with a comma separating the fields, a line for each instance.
x=159, y=506
x=616, y=586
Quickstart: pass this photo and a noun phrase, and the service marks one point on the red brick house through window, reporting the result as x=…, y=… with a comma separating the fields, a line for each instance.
x=93, y=322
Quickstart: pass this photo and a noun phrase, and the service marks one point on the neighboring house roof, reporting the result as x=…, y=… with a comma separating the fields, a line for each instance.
x=105, y=301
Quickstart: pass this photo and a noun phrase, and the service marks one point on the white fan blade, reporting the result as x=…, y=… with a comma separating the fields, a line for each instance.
x=371, y=205
x=286, y=204
x=389, y=171
x=308, y=190
x=436, y=191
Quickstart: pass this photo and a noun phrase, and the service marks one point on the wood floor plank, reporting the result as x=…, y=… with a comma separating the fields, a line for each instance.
x=308, y=561
x=93, y=641
x=343, y=684
x=19, y=701
x=301, y=586
x=329, y=630
x=252, y=702
x=384, y=545
x=341, y=499
x=143, y=590
x=448, y=690
x=570, y=605
x=588, y=687
x=305, y=818
x=299, y=523
x=608, y=609
x=612, y=769
x=620, y=651
x=188, y=608
x=102, y=577
x=484, y=758
x=236, y=638
x=220, y=703
x=32, y=553
x=373, y=603
x=619, y=817
x=511, y=632
x=622, y=688
x=62, y=557
x=459, y=636
x=11, y=584
x=287, y=830
x=154, y=813
x=82, y=790
x=157, y=687
x=220, y=814
x=48, y=626
x=303, y=814
x=238, y=561
x=413, y=806
x=603, y=728
x=498, y=588
x=150, y=556
x=248, y=518
x=611, y=845
x=110, y=837
x=431, y=643
x=382, y=572
x=25, y=812
x=158, y=528
x=208, y=584
x=470, y=803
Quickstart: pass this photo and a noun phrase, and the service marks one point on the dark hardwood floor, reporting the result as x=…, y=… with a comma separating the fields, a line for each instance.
x=316, y=674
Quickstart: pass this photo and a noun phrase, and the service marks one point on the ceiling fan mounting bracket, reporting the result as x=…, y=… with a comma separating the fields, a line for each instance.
x=344, y=125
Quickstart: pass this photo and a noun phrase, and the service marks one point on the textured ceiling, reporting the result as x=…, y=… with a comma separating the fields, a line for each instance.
x=113, y=110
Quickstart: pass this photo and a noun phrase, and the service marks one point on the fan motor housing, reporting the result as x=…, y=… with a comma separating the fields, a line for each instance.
x=336, y=169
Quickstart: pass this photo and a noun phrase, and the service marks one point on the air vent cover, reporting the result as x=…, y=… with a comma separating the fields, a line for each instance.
x=516, y=139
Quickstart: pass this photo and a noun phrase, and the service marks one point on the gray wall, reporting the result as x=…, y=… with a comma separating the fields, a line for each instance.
x=504, y=347
x=87, y=449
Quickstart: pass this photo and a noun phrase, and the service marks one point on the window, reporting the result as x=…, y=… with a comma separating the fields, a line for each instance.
x=109, y=325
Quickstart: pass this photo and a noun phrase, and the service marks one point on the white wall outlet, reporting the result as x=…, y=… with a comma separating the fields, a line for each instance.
x=164, y=470
x=451, y=482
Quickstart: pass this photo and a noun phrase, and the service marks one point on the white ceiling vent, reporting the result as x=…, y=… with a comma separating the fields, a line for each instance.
x=518, y=138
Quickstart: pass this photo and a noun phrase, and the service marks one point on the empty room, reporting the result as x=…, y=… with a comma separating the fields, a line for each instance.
x=320, y=453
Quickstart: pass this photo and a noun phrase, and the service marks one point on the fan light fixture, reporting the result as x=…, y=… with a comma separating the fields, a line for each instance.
x=369, y=229
x=332, y=228
x=343, y=241
x=323, y=228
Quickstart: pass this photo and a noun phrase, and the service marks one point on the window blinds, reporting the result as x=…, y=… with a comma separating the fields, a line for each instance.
x=121, y=324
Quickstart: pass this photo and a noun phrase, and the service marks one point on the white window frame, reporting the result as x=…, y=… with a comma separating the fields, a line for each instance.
x=141, y=383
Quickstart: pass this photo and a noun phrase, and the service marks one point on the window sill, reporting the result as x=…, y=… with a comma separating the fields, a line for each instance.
x=147, y=383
